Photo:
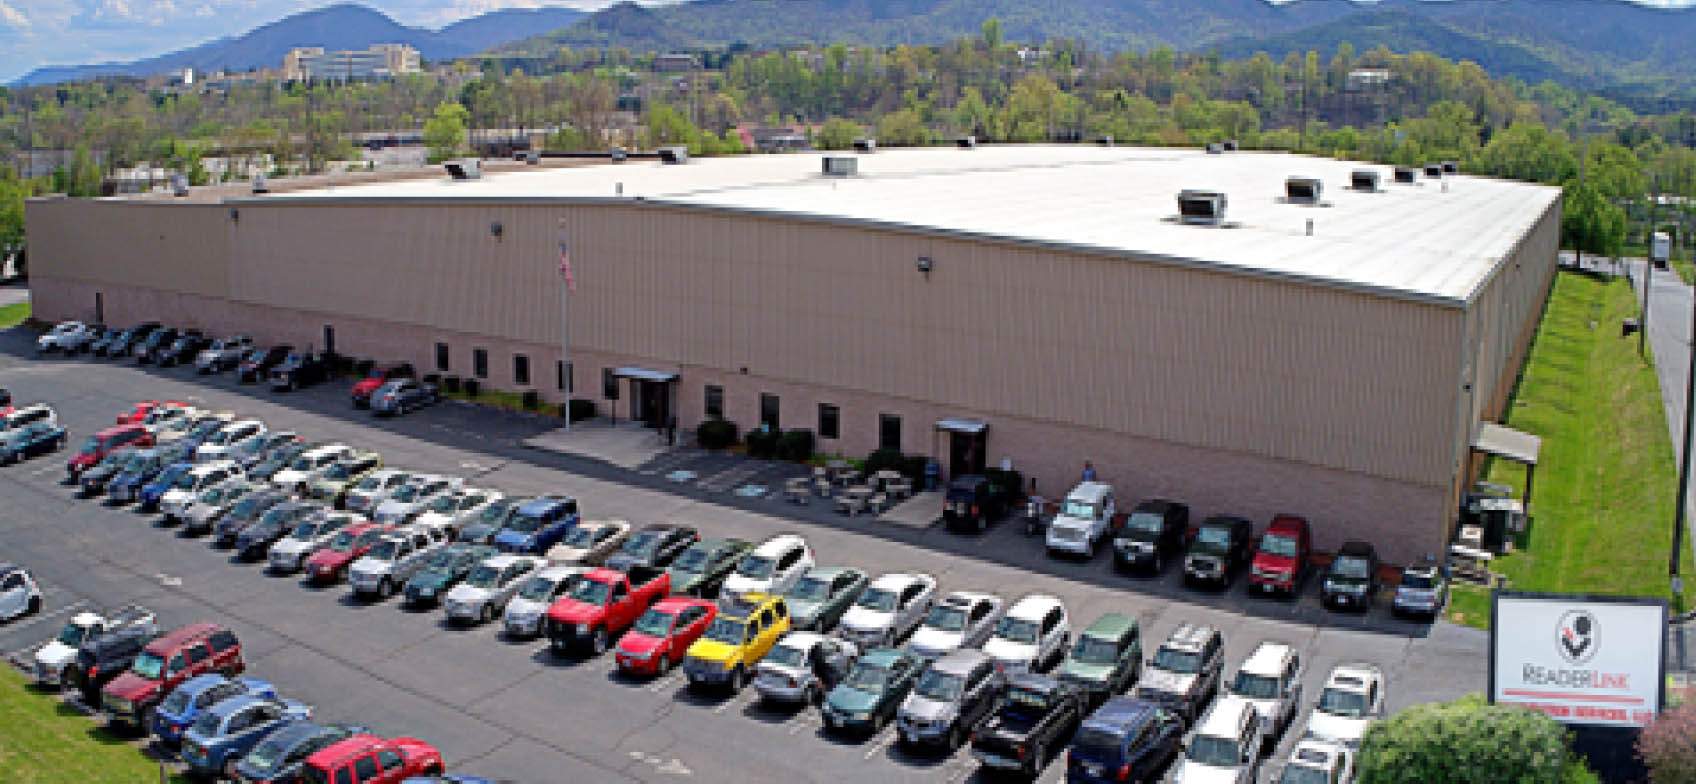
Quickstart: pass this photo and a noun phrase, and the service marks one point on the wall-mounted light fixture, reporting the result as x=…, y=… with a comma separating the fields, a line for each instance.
x=496, y=230
x=925, y=264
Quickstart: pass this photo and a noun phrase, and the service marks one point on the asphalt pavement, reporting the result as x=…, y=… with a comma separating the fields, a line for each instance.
x=511, y=710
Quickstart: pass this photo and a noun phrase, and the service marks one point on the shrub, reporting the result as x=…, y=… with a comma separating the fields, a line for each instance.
x=1668, y=746
x=762, y=443
x=885, y=459
x=531, y=400
x=716, y=434
x=580, y=409
x=796, y=445
x=1467, y=740
x=471, y=386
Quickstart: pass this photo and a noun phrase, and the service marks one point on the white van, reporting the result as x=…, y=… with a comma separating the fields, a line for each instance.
x=1084, y=521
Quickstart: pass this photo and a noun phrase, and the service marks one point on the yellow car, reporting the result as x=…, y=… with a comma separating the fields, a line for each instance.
x=736, y=641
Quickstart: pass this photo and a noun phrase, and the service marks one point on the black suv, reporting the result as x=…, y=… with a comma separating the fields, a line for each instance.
x=125, y=343
x=1351, y=581
x=1220, y=548
x=973, y=502
x=155, y=344
x=1152, y=533
x=1184, y=673
x=654, y=546
x=258, y=363
x=104, y=658
x=184, y=349
x=298, y=370
x=1038, y=715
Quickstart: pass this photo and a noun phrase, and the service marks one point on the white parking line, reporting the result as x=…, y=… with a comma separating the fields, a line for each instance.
x=670, y=682
x=807, y=720
x=742, y=699
x=9, y=628
x=881, y=743
x=960, y=768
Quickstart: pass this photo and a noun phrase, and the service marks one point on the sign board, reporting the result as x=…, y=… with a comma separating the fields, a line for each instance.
x=1593, y=661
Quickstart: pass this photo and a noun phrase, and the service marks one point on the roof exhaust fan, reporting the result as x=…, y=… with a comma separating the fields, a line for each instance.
x=464, y=169
x=1366, y=180
x=1434, y=170
x=1451, y=167
x=966, y=142
x=1201, y=208
x=840, y=166
x=179, y=185
x=865, y=145
x=1406, y=176
x=1303, y=190
x=678, y=154
x=261, y=184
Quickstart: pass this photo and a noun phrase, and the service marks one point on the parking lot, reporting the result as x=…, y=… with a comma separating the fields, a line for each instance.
x=511, y=710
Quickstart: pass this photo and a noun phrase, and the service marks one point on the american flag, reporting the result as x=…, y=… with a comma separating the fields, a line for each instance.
x=565, y=260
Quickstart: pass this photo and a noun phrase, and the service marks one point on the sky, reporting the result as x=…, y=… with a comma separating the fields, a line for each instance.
x=73, y=32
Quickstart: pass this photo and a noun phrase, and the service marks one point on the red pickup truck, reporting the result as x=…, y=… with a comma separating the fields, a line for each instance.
x=164, y=664
x=602, y=605
x=368, y=759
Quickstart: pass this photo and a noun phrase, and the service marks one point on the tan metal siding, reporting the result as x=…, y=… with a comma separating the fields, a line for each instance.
x=177, y=247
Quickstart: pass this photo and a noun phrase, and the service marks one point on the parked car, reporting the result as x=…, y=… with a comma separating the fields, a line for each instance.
x=1422, y=591
x=870, y=696
x=1318, y=762
x=963, y=619
x=254, y=450
x=1220, y=548
x=1153, y=533
x=1085, y=520
x=393, y=560
x=734, y=642
x=951, y=698
x=485, y=592
x=93, y=480
x=226, y=732
x=147, y=500
x=164, y=664
x=1039, y=715
x=187, y=703
x=442, y=569
x=16, y=418
x=257, y=363
x=397, y=398
x=143, y=466
x=823, y=595
x=411, y=498
x=275, y=460
x=246, y=512
x=31, y=440
x=1124, y=740
x=306, y=467
x=126, y=343
x=802, y=667
x=20, y=595
x=278, y=758
x=602, y=605
x=655, y=546
x=449, y=511
x=332, y=484
x=289, y=554
x=5, y=397
x=297, y=371
x=101, y=660
x=103, y=342
x=537, y=525
x=1184, y=673
x=367, y=759
x=1032, y=637
x=143, y=411
x=328, y=565
x=155, y=344
x=203, y=513
x=220, y=443
x=183, y=350
x=366, y=494
x=660, y=638
x=193, y=483
x=702, y=569
x=1351, y=701
x=488, y=521
x=1270, y=678
x=224, y=354
x=1280, y=562
x=63, y=333
x=1107, y=658
x=1351, y=581
x=1227, y=746
x=591, y=542
x=973, y=501
x=55, y=660
x=889, y=610
x=255, y=541
x=527, y=611
x=771, y=568
x=96, y=447
x=366, y=387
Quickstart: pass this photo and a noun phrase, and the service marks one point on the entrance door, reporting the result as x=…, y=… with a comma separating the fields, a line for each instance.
x=99, y=308
x=329, y=339
x=650, y=403
x=966, y=453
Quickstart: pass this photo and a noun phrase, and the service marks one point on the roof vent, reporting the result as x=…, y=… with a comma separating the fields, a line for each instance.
x=840, y=166
x=1406, y=176
x=1105, y=141
x=1214, y=148
x=1206, y=208
x=1303, y=190
x=464, y=169
x=618, y=155
x=179, y=185
x=1451, y=167
x=865, y=145
x=1230, y=145
x=1434, y=170
x=966, y=142
x=677, y=154
x=260, y=184
x=1366, y=180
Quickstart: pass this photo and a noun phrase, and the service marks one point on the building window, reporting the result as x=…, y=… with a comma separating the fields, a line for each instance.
x=609, y=384
x=562, y=373
x=829, y=418
x=480, y=362
x=889, y=432
x=715, y=402
x=768, y=411
x=520, y=370
x=442, y=357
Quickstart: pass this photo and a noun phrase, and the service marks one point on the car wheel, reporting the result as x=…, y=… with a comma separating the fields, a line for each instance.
x=956, y=737
x=385, y=588
x=34, y=605
x=1038, y=754
x=486, y=614
x=230, y=769
x=983, y=524
x=738, y=679
x=664, y=667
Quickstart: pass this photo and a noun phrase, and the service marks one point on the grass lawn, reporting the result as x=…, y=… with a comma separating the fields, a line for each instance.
x=1601, y=516
x=13, y=315
x=43, y=741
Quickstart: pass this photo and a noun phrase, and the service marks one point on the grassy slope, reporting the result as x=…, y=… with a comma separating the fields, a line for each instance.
x=1605, y=491
x=42, y=741
x=13, y=315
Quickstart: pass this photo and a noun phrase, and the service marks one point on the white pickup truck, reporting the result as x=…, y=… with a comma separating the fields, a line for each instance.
x=54, y=659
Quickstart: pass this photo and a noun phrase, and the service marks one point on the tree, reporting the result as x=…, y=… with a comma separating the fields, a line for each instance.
x=444, y=133
x=1589, y=222
x=1468, y=740
x=1527, y=151
x=903, y=128
x=992, y=33
x=838, y=134
x=1668, y=746
x=84, y=175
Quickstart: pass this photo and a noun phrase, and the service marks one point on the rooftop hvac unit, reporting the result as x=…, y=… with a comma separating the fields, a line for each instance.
x=966, y=142
x=1364, y=180
x=674, y=154
x=464, y=169
x=1201, y=207
x=179, y=185
x=1105, y=141
x=1406, y=176
x=533, y=157
x=1215, y=148
x=840, y=166
x=865, y=145
x=1434, y=170
x=1230, y=145
x=618, y=155
x=260, y=184
x=1451, y=167
x=1303, y=190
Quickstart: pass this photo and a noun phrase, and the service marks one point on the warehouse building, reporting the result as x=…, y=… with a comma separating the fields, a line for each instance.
x=1329, y=351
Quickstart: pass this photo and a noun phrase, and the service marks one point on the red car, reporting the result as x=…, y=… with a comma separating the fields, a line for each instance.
x=367, y=386
x=603, y=604
x=164, y=664
x=368, y=759
x=1281, y=559
x=104, y=442
x=329, y=564
x=660, y=637
x=138, y=414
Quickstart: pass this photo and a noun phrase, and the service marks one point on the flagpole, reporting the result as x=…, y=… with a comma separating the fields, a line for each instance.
x=565, y=323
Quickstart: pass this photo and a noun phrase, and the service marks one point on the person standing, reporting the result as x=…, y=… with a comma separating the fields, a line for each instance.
x=1089, y=471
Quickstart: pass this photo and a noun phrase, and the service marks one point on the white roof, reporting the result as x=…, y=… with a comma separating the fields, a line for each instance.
x=1267, y=658
x=1090, y=492
x=896, y=581
x=1435, y=240
x=1224, y=719
x=779, y=544
x=1033, y=606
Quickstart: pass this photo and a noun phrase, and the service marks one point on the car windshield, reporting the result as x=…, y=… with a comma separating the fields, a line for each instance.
x=444, y=558
x=495, y=513
x=946, y=618
x=1174, y=660
x=385, y=550
x=879, y=599
x=248, y=507
x=757, y=567
x=1347, y=704
x=117, y=459
x=369, y=483
x=148, y=665
x=207, y=427
x=1215, y=752
x=446, y=503
x=642, y=543
x=1349, y=568
x=1278, y=544
x=1017, y=630
x=811, y=589
x=343, y=542
x=72, y=634
x=1143, y=523
x=1255, y=687
x=176, y=702
x=265, y=756
x=538, y=589
x=207, y=724
x=1418, y=581
x=305, y=530
x=91, y=445
x=138, y=463
x=484, y=576
x=693, y=559
x=580, y=538
x=1213, y=540
x=868, y=677
x=303, y=463
x=523, y=523
x=1302, y=774
x=409, y=493
x=1094, y=650
x=939, y=686
x=1079, y=509
x=787, y=656
x=1097, y=742
x=591, y=592
x=730, y=631
x=339, y=472
x=185, y=482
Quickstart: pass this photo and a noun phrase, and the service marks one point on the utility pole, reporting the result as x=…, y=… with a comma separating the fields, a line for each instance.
x=1649, y=266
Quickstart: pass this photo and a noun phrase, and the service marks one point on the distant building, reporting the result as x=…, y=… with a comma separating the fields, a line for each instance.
x=381, y=61
x=1362, y=79
x=675, y=61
